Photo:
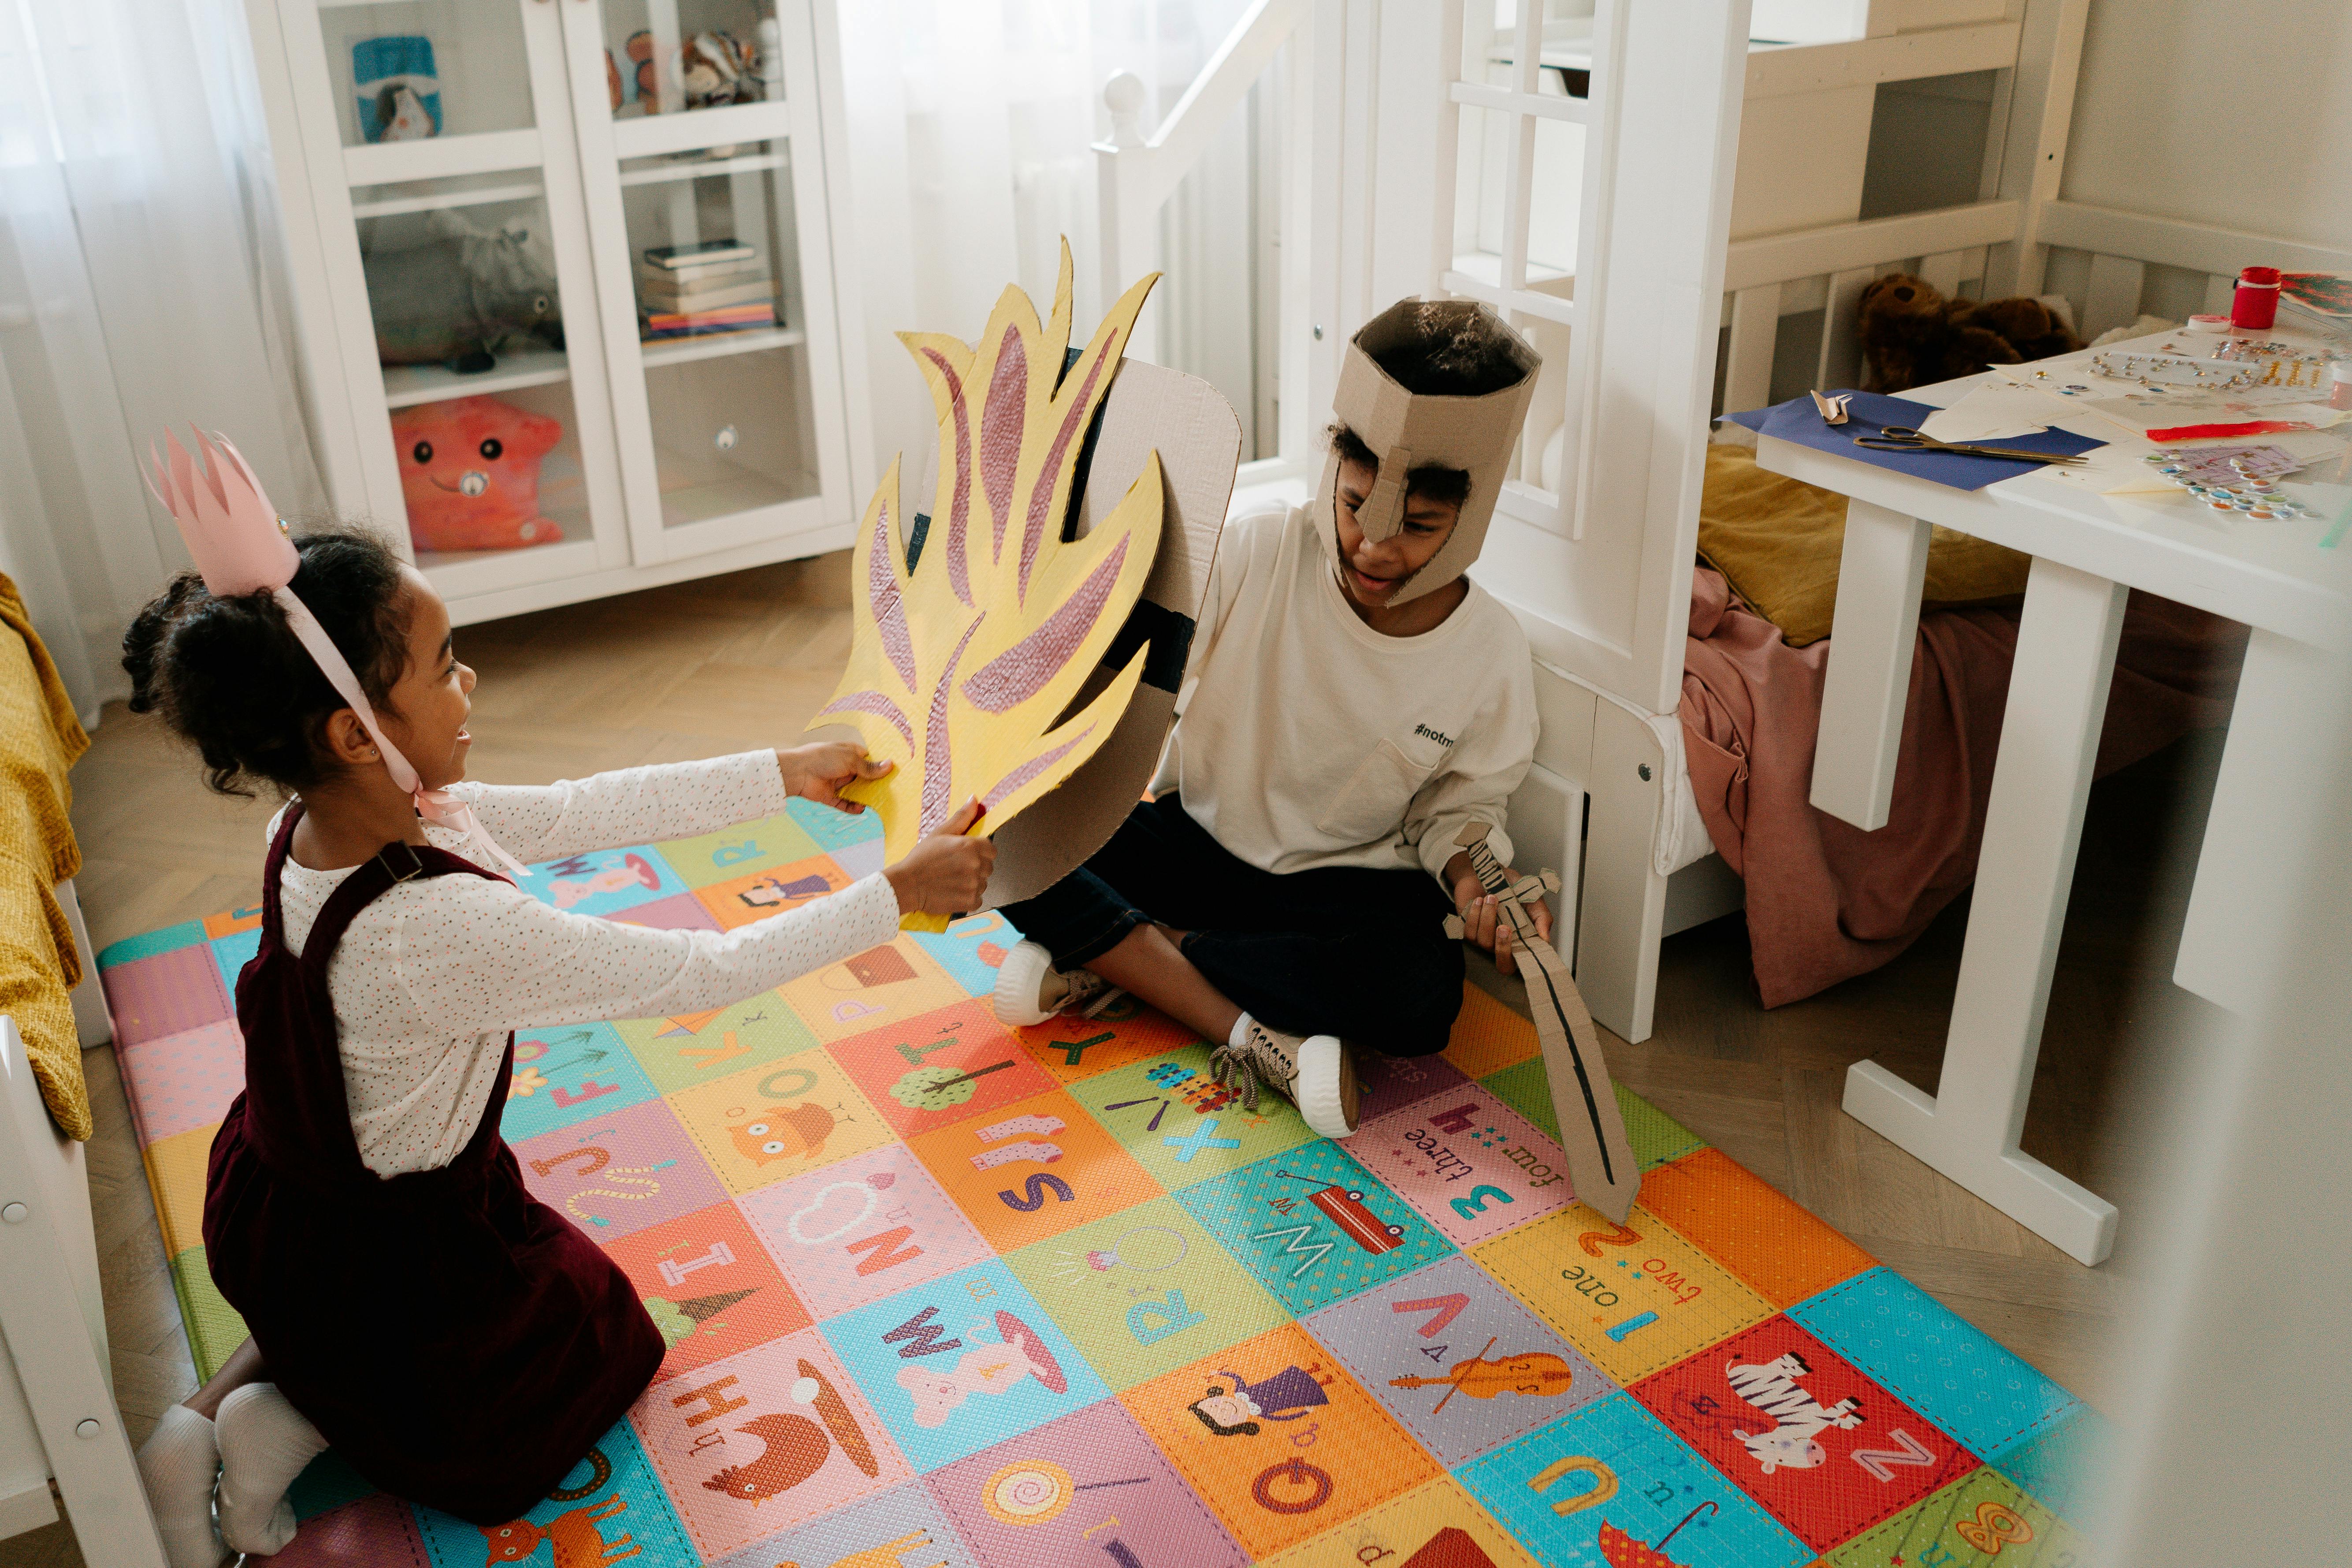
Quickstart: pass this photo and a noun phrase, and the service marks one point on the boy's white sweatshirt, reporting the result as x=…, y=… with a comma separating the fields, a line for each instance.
x=1308, y=739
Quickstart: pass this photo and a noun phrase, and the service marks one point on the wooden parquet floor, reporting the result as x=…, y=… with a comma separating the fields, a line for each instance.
x=742, y=660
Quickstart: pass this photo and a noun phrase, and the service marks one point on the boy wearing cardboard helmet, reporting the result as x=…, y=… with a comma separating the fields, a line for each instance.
x=1351, y=702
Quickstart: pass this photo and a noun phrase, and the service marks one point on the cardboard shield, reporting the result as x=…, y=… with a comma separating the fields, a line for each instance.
x=1022, y=641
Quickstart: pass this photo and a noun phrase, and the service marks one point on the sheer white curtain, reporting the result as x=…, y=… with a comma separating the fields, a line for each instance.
x=970, y=127
x=141, y=286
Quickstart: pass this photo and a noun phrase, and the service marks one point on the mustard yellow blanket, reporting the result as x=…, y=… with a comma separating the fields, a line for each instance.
x=40, y=738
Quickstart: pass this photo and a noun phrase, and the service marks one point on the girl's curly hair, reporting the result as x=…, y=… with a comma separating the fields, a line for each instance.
x=229, y=676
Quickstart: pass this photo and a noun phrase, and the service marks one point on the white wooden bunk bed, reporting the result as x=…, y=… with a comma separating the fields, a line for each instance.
x=1718, y=186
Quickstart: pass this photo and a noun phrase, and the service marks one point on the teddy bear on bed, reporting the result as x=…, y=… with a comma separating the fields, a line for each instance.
x=1911, y=335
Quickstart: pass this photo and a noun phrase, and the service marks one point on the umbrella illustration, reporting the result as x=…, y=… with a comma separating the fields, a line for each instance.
x=1623, y=1551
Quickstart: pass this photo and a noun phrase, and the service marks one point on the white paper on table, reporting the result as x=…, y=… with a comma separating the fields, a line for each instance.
x=1992, y=411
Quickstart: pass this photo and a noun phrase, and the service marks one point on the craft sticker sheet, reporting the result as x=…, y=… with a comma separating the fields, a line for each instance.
x=940, y=1294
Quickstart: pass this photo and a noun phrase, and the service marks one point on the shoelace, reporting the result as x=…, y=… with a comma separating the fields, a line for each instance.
x=1110, y=994
x=1229, y=1062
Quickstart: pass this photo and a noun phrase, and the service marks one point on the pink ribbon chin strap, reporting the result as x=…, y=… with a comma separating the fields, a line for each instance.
x=240, y=547
x=437, y=806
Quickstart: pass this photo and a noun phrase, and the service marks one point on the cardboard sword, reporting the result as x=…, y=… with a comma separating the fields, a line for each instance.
x=1601, y=1160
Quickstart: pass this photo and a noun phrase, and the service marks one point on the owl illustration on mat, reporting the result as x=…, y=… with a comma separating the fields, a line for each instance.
x=783, y=1132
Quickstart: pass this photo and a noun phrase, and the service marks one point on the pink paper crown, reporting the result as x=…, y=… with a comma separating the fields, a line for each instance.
x=229, y=526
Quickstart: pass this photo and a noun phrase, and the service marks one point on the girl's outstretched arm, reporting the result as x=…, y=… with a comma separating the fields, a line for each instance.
x=627, y=806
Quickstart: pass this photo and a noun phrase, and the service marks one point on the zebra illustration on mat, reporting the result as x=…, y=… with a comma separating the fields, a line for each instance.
x=1772, y=1388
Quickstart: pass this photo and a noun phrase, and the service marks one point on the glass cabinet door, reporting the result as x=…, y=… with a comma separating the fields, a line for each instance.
x=700, y=149
x=466, y=318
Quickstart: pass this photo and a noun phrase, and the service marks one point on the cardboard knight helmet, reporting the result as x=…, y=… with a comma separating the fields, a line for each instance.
x=1409, y=430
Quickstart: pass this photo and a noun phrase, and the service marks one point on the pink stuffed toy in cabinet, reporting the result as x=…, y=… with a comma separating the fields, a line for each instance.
x=469, y=472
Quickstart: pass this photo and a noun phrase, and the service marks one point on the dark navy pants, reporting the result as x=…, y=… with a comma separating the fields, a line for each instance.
x=1348, y=951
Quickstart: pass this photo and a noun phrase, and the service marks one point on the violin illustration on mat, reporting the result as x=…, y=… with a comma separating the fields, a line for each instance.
x=1536, y=1372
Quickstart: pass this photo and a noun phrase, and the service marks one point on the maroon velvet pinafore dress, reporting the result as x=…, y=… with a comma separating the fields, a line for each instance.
x=461, y=1344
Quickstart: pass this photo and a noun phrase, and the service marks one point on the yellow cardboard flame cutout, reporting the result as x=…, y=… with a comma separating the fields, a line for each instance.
x=960, y=664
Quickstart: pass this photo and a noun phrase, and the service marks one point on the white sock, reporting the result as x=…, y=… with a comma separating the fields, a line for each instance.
x=1240, y=1037
x=177, y=1465
x=265, y=1443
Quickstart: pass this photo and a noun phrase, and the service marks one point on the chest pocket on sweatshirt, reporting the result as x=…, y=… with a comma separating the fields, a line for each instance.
x=1371, y=805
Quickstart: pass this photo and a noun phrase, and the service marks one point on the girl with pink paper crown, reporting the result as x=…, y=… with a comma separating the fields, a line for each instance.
x=459, y=1344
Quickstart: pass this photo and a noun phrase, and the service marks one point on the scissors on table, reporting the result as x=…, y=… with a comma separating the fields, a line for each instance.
x=1903, y=438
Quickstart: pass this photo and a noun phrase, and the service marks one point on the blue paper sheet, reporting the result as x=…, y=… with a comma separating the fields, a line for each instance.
x=1869, y=411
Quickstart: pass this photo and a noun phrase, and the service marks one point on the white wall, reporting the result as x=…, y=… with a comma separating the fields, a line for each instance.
x=2236, y=113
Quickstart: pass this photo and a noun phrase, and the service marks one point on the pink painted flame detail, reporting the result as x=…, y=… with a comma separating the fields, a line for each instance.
x=939, y=771
x=1001, y=427
x=1020, y=671
x=889, y=609
x=1041, y=499
x=1003, y=787
x=958, y=504
x=873, y=702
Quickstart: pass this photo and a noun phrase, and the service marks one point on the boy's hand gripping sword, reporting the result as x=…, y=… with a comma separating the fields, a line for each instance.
x=1601, y=1160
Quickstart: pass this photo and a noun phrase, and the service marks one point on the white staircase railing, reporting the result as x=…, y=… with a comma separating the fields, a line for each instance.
x=1138, y=170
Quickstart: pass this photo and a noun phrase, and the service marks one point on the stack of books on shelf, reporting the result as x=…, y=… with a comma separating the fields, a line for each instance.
x=693, y=290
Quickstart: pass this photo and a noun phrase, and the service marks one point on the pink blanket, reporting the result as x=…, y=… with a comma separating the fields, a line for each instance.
x=1826, y=900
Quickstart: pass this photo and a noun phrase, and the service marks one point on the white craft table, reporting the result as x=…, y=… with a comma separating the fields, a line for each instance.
x=2088, y=550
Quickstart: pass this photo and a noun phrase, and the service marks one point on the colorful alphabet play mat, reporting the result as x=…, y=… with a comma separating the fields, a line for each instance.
x=944, y=1295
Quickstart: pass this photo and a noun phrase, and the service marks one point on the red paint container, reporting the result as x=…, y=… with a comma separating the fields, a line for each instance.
x=2254, y=306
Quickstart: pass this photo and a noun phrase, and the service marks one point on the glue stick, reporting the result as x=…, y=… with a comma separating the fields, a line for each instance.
x=2254, y=306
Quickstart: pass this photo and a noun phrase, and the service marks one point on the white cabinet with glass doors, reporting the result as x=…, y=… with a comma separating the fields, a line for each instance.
x=564, y=281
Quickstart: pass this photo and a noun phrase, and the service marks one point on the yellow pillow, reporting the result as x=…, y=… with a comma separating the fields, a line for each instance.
x=1776, y=541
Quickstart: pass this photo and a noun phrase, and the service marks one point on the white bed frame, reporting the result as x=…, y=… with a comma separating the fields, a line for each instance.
x=57, y=1416
x=1708, y=132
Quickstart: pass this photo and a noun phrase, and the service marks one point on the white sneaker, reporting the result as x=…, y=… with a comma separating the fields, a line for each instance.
x=1317, y=1072
x=1030, y=990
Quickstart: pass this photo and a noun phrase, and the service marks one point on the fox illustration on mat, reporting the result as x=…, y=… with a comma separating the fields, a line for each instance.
x=578, y=1542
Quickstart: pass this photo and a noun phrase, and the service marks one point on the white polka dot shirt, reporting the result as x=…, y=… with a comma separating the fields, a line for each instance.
x=429, y=977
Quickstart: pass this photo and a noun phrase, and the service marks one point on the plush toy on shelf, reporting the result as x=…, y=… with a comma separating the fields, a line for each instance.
x=399, y=95
x=640, y=50
x=715, y=69
x=469, y=472
x=447, y=291
x=711, y=69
